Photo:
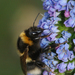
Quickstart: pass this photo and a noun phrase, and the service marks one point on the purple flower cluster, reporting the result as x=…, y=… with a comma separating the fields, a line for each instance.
x=64, y=54
x=70, y=22
x=64, y=38
x=49, y=60
x=74, y=41
x=54, y=5
x=48, y=24
x=74, y=44
x=63, y=57
x=64, y=66
x=63, y=50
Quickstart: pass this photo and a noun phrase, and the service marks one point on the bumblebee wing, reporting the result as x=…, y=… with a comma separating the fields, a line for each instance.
x=23, y=61
x=23, y=50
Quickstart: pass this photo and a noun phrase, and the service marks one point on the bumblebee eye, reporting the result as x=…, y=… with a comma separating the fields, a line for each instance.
x=33, y=33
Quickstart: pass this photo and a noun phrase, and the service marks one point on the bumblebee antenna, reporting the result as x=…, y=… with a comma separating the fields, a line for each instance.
x=35, y=19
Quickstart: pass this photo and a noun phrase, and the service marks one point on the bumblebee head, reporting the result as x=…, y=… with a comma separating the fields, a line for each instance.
x=34, y=32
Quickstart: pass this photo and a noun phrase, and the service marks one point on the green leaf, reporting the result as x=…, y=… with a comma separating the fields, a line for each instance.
x=61, y=74
x=70, y=71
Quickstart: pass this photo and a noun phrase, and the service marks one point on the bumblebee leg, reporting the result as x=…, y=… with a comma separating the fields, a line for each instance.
x=46, y=49
x=40, y=37
x=43, y=66
x=44, y=36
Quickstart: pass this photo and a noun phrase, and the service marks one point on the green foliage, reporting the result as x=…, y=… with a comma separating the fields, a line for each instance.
x=61, y=74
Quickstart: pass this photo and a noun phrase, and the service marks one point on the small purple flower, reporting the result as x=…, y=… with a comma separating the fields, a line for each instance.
x=54, y=14
x=52, y=37
x=46, y=32
x=74, y=41
x=46, y=15
x=67, y=14
x=54, y=28
x=44, y=43
x=63, y=52
x=54, y=20
x=48, y=59
x=45, y=73
x=45, y=61
x=74, y=74
x=52, y=11
x=58, y=51
x=55, y=1
x=61, y=47
x=47, y=4
x=71, y=4
x=71, y=55
x=60, y=40
x=44, y=25
x=66, y=35
x=63, y=2
x=64, y=55
x=51, y=55
x=61, y=5
x=62, y=67
x=72, y=13
x=70, y=22
x=52, y=64
x=70, y=66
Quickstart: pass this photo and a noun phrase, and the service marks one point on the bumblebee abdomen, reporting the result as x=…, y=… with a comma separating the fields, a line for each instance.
x=35, y=71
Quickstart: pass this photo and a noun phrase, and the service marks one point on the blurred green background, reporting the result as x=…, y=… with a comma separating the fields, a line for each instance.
x=15, y=16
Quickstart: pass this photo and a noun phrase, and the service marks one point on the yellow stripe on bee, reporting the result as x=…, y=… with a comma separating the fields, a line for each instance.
x=26, y=39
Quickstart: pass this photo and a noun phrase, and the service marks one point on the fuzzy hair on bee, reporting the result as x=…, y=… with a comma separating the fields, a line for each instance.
x=28, y=45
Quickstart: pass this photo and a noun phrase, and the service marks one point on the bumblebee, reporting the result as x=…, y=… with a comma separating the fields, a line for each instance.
x=28, y=45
